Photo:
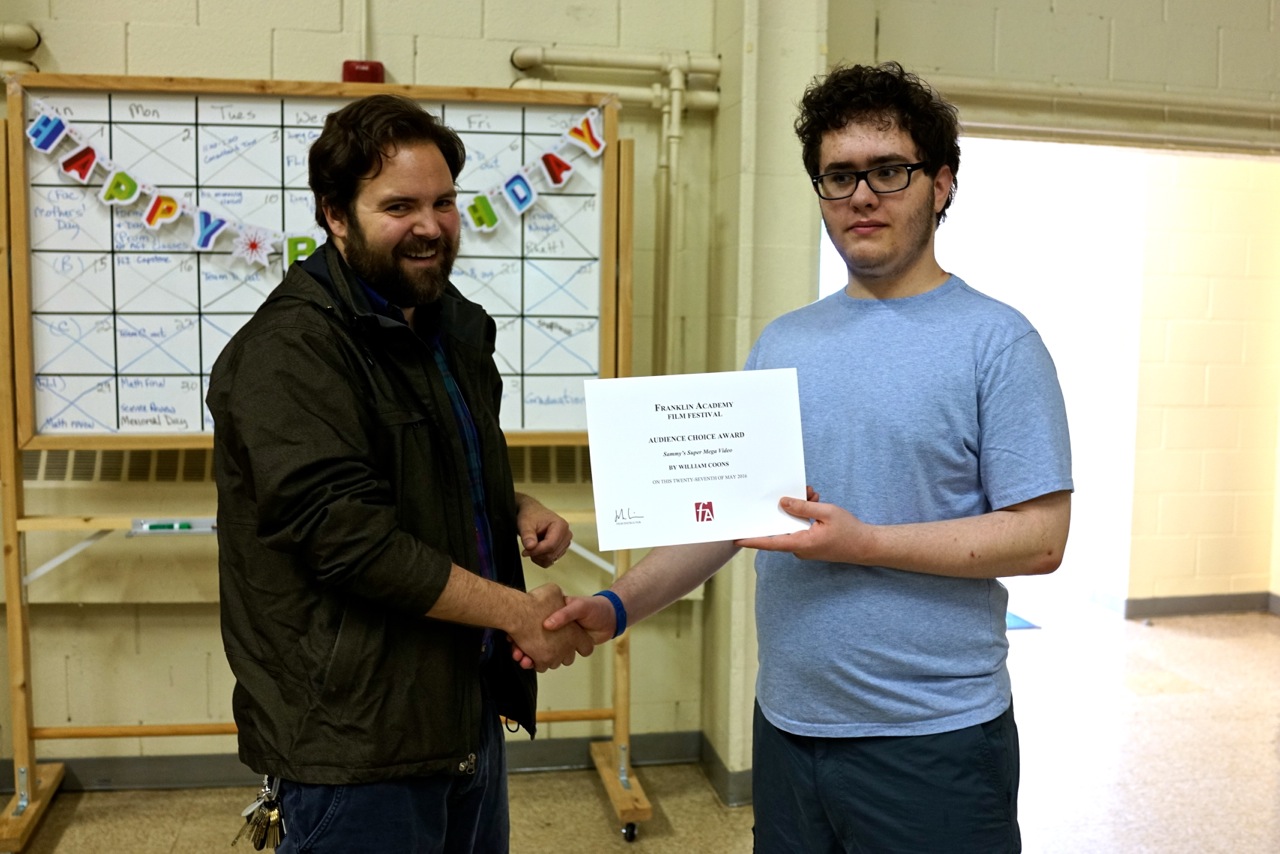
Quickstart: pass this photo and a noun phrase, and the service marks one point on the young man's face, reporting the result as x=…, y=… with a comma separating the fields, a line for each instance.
x=402, y=236
x=886, y=239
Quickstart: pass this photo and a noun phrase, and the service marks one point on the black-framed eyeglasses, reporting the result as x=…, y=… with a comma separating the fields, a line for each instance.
x=842, y=183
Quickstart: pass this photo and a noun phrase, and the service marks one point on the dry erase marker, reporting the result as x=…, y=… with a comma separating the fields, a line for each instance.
x=166, y=526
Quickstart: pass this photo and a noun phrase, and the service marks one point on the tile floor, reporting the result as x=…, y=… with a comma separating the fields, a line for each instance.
x=1159, y=738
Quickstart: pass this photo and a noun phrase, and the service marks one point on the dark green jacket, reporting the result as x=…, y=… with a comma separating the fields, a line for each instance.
x=342, y=502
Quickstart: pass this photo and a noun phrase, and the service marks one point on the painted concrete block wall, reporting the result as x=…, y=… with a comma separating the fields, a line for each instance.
x=119, y=665
x=1275, y=545
x=1178, y=45
x=1209, y=382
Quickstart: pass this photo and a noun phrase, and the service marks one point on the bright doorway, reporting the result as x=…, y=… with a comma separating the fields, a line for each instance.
x=1071, y=235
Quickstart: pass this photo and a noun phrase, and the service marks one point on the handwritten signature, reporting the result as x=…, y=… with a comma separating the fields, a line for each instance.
x=625, y=515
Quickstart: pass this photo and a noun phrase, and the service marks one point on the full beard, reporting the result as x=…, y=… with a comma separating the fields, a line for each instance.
x=384, y=272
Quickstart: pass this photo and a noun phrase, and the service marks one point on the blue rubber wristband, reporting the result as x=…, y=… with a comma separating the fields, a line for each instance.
x=619, y=612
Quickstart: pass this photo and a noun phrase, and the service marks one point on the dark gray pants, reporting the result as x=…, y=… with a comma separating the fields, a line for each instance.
x=950, y=793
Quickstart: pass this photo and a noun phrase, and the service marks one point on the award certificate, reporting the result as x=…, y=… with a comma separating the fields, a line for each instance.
x=694, y=458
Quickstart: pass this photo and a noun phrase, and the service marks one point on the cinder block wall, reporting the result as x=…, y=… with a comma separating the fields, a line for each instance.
x=1205, y=484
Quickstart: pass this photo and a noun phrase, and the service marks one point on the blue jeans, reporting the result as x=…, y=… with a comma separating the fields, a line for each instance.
x=436, y=814
x=953, y=792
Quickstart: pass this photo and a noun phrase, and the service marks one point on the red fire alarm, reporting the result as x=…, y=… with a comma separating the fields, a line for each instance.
x=362, y=71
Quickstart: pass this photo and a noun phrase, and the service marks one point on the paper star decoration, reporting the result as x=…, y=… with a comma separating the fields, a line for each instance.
x=253, y=245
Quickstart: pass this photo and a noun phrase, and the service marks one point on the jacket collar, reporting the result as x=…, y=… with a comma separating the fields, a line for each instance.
x=328, y=268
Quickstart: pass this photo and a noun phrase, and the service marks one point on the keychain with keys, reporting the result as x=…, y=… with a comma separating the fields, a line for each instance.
x=263, y=820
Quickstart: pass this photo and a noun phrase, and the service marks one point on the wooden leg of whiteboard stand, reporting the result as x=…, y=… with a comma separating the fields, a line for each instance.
x=623, y=789
x=34, y=785
x=613, y=758
x=20, y=820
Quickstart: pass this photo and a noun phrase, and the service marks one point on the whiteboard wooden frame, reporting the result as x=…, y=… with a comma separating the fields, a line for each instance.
x=30, y=438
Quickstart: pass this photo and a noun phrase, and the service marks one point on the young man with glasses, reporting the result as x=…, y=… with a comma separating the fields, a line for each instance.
x=935, y=430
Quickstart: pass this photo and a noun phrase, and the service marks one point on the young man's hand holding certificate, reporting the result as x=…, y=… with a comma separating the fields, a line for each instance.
x=694, y=458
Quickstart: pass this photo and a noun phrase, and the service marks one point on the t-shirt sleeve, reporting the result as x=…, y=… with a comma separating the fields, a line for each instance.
x=1026, y=449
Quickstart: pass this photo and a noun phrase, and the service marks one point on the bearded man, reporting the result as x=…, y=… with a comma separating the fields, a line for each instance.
x=370, y=537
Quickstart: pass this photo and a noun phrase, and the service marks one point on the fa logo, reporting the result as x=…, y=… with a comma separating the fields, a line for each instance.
x=703, y=511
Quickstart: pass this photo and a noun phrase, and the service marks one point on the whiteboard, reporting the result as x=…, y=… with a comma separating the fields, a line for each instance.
x=120, y=314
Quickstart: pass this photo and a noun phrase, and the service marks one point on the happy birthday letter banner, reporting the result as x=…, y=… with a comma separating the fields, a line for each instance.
x=255, y=244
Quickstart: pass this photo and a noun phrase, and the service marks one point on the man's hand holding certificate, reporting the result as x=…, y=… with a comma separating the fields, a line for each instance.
x=694, y=458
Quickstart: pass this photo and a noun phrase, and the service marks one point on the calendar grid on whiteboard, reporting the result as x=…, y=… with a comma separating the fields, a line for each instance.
x=124, y=321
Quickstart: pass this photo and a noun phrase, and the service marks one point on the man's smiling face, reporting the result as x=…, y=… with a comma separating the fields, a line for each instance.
x=401, y=236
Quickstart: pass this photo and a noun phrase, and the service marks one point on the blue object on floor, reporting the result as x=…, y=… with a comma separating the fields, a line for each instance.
x=1013, y=621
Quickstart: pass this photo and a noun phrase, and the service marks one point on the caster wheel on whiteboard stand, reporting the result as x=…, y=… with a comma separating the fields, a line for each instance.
x=629, y=831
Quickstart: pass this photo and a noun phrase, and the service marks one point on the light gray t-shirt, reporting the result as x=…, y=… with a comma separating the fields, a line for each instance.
x=937, y=406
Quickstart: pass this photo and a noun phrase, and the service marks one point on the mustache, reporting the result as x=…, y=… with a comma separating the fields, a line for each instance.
x=419, y=245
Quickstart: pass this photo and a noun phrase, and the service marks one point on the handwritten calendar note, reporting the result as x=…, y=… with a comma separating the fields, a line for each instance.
x=126, y=319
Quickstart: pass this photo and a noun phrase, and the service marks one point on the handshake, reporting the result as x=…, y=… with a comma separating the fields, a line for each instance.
x=553, y=629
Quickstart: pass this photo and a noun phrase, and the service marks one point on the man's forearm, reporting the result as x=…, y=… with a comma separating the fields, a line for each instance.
x=667, y=573
x=1026, y=539
x=474, y=601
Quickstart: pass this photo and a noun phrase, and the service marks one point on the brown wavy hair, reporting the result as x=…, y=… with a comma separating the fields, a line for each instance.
x=357, y=138
x=886, y=96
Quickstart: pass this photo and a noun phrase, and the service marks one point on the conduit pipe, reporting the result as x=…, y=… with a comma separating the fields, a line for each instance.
x=653, y=97
x=20, y=36
x=525, y=58
x=672, y=97
x=662, y=313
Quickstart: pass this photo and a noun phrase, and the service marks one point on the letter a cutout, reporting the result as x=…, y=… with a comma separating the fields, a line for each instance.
x=555, y=169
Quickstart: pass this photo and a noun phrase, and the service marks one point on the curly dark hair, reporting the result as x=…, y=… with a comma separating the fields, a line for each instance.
x=885, y=95
x=357, y=137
